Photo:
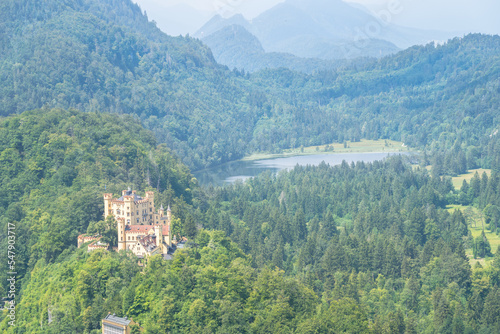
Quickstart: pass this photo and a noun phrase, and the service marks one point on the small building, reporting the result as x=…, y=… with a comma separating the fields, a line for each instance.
x=98, y=245
x=146, y=246
x=116, y=325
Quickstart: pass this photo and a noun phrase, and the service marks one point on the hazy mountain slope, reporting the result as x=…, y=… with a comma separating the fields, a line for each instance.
x=334, y=19
x=346, y=21
x=217, y=22
x=326, y=29
x=318, y=29
x=235, y=47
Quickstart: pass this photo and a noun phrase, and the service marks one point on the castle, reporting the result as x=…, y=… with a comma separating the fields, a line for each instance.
x=141, y=229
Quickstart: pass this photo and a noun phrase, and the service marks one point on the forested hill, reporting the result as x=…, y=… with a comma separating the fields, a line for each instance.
x=54, y=167
x=104, y=55
x=434, y=96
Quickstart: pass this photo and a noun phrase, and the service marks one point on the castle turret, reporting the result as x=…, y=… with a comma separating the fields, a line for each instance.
x=120, y=226
x=161, y=211
x=169, y=215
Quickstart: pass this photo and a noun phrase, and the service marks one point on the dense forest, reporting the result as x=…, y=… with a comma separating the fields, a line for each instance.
x=87, y=54
x=379, y=234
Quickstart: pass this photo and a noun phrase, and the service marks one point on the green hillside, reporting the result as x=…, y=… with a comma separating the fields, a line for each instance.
x=55, y=166
x=105, y=55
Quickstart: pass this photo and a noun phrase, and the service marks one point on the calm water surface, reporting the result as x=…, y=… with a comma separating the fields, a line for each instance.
x=242, y=170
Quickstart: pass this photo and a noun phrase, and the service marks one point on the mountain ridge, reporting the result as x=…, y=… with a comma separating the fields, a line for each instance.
x=325, y=30
x=235, y=47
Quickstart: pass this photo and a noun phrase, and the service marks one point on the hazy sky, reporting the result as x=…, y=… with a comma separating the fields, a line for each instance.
x=174, y=17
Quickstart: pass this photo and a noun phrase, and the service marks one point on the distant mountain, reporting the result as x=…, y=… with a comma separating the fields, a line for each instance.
x=217, y=23
x=235, y=47
x=325, y=29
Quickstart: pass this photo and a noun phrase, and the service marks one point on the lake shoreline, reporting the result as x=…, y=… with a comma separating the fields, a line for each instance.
x=230, y=172
x=363, y=146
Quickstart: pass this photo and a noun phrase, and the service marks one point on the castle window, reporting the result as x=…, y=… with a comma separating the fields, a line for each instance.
x=150, y=209
x=128, y=238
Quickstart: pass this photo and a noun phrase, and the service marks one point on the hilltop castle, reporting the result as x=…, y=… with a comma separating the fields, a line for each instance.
x=141, y=229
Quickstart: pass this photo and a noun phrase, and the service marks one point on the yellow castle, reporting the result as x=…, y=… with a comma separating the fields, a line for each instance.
x=141, y=228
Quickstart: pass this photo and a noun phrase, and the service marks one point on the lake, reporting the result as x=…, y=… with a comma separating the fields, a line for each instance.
x=242, y=170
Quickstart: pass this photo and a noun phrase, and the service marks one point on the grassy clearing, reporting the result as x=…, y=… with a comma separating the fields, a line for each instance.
x=364, y=146
x=475, y=221
x=457, y=181
x=473, y=261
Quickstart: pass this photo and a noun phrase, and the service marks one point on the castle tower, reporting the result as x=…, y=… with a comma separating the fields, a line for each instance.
x=161, y=211
x=129, y=207
x=107, y=204
x=151, y=196
x=169, y=215
x=159, y=236
x=120, y=226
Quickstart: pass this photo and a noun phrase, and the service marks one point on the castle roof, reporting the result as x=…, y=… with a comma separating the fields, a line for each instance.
x=145, y=229
x=138, y=228
x=148, y=242
x=117, y=320
x=129, y=193
x=165, y=230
